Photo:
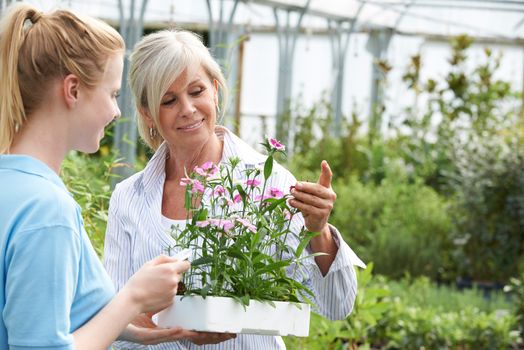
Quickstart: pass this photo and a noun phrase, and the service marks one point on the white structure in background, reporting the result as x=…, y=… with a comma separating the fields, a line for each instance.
x=421, y=25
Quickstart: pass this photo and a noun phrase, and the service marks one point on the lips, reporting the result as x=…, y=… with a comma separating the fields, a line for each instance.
x=192, y=126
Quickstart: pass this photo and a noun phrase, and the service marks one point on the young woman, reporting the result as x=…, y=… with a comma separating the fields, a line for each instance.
x=176, y=83
x=60, y=75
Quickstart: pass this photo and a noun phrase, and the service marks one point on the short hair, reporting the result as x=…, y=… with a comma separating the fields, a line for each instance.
x=38, y=48
x=156, y=62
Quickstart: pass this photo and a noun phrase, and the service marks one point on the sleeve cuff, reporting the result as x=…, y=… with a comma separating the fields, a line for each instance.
x=345, y=255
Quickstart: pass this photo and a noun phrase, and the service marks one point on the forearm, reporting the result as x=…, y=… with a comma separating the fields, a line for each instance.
x=108, y=324
x=324, y=243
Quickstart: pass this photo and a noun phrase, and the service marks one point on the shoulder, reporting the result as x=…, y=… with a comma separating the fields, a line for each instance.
x=127, y=189
x=142, y=182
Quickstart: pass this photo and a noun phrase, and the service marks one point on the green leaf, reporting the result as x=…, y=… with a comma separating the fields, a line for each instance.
x=202, y=214
x=304, y=242
x=242, y=193
x=202, y=261
x=273, y=267
x=187, y=200
x=268, y=167
x=236, y=254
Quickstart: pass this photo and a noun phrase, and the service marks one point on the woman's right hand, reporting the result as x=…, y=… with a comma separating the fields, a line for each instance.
x=154, y=286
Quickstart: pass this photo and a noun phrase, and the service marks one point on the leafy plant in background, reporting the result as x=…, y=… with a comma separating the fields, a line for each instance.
x=403, y=227
x=353, y=333
x=88, y=178
x=489, y=208
x=414, y=314
x=516, y=289
x=313, y=143
x=238, y=227
x=465, y=103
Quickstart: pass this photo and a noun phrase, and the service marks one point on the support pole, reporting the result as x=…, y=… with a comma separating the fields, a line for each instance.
x=125, y=133
x=223, y=46
x=339, y=39
x=287, y=37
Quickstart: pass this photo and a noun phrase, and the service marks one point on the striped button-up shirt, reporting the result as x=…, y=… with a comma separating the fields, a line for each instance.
x=136, y=234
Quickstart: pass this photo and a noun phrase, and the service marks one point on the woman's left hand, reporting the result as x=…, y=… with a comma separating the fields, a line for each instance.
x=144, y=331
x=315, y=200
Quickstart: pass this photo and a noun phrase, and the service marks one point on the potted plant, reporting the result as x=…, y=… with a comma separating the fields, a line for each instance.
x=242, y=268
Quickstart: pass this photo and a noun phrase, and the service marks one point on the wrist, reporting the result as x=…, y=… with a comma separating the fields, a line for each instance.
x=131, y=301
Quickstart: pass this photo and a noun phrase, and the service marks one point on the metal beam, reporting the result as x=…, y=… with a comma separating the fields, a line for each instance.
x=125, y=133
x=388, y=6
x=222, y=44
x=287, y=34
x=339, y=48
x=463, y=6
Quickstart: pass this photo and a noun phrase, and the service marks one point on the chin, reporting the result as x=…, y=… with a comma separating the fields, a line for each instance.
x=93, y=148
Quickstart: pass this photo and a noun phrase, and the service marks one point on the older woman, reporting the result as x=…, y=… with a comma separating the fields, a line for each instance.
x=176, y=85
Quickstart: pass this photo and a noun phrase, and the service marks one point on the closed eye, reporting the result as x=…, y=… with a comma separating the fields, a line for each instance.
x=169, y=101
x=197, y=91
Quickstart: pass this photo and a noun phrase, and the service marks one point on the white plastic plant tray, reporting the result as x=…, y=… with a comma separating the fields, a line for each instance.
x=220, y=314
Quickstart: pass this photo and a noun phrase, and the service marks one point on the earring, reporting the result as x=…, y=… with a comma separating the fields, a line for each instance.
x=152, y=133
x=218, y=109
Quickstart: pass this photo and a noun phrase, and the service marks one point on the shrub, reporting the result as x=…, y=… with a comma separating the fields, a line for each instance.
x=88, y=178
x=403, y=227
x=389, y=316
x=489, y=210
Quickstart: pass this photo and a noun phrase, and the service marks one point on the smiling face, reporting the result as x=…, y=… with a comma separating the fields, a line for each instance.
x=97, y=107
x=187, y=113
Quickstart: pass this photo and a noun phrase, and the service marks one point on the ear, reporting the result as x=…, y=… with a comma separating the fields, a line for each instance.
x=71, y=90
x=144, y=114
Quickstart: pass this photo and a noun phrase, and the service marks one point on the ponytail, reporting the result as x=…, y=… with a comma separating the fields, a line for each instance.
x=12, y=35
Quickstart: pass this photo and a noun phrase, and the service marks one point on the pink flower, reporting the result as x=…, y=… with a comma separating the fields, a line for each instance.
x=253, y=182
x=275, y=144
x=213, y=171
x=228, y=201
x=237, y=198
x=208, y=169
x=197, y=187
x=225, y=225
x=247, y=224
x=207, y=165
x=185, y=181
x=200, y=171
x=274, y=192
x=204, y=223
x=287, y=214
x=219, y=191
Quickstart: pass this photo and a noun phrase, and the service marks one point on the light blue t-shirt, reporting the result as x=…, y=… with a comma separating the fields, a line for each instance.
x=52, y=281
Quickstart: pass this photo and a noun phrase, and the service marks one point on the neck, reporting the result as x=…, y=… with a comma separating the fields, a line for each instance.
x=43, y=137
x=182, y=160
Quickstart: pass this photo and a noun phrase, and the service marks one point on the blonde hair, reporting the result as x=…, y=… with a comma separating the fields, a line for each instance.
x=156, y=62
x=37, y=48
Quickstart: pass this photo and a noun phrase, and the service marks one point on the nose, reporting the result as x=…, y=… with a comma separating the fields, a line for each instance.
x=187, y=108
x=117, y=114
